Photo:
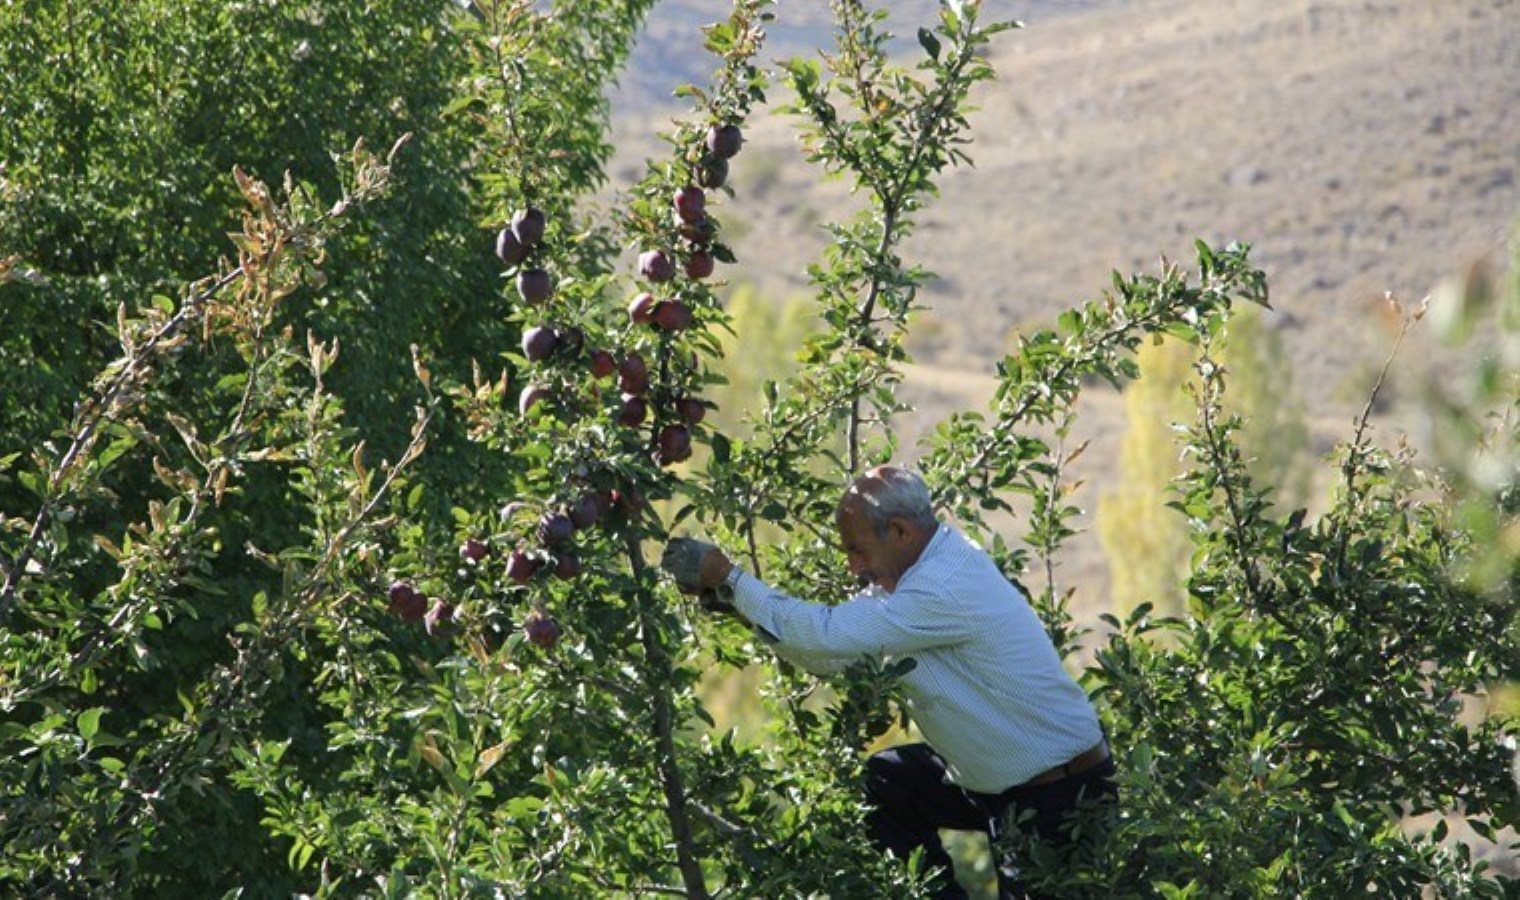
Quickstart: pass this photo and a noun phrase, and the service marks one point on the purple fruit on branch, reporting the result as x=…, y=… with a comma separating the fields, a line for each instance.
x=641, y=308
x=690, y=203
x=672, y=315
x=531, y=396
x=555, y=529
x=602, y=364
x=633, y=375
x=691, y=410
x=724, y=141
x=712, y=172
x=405, y=603
x=509, y=249
x=570, y=339
x=674, y=445
x=528, y=225
x=541, y=629
x=584, y=511
x=566, y=566
x=657, y=266
x=534, y=285
x=538, y=343
x=440, y=618
x=699, y=265
x=521, y=566
x=633, y=412
x=700, y=232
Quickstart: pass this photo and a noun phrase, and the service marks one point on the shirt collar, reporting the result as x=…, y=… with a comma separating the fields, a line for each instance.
x=936, y=543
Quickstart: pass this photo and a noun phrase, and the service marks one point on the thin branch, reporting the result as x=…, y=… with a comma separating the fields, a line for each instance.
x=96, y=413
x=666, y=762
x=748, y=843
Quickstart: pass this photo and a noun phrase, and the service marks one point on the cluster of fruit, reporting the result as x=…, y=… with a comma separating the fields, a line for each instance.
x=549, y=549
x=409, y=604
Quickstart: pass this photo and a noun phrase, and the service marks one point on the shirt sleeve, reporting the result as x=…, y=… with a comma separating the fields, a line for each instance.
x=871, y=624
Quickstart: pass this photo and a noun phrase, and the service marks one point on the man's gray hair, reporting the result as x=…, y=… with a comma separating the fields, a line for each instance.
x=888, y=492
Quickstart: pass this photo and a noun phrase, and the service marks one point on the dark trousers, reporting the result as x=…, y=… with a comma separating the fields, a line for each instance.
x=911, y=801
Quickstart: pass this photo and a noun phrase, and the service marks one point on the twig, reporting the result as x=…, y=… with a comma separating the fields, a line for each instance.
x=96, y=413
x=747, y=841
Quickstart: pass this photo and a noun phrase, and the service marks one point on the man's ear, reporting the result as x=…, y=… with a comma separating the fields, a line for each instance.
x=899, y=529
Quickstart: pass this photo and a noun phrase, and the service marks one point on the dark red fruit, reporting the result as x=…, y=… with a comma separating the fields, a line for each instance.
x=657, y=266
x=603, y=503
x=521, y=566
x=633, y=411
x=626, y=501
x=555, y=529
x=691, y=409
x=474, y=550
x=440, y=619
x=641, y=308
x=699, y=265
x=633, y=375
x=712, y=172
x=538, y=343
x=509, y=248
x=531, y=396
x=541, y=629
x=699, y=232
x=602, y=364
x=672, y=316
x=584, y=511
x=534, y=285
x=724, y=141
x=405, y=602
x=691, y=203
x=570, y=340
x=566, y=566
x=674, y=444
x=528, y=225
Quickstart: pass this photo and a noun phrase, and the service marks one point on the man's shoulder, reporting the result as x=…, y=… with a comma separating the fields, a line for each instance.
x=962, y=555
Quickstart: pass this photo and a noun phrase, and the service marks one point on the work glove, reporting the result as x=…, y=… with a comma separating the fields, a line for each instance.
x=683, y=560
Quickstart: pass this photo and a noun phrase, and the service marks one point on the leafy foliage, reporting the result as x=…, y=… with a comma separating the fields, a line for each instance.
x=314, y=583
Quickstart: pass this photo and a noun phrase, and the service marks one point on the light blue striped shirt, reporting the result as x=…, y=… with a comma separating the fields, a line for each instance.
x=988, y=692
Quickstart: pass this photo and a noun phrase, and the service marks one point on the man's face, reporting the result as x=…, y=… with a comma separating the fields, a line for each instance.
x=874, y=559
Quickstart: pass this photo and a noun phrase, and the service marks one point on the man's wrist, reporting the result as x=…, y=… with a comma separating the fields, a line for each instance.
x=715, y=569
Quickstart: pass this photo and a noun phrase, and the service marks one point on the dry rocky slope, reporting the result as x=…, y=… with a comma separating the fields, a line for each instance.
x=1361, y=146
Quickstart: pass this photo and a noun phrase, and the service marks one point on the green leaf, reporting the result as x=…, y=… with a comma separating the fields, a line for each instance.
x=929, y=42
x=88, y=722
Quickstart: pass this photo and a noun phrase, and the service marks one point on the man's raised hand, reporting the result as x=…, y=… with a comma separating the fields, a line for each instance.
x=683, y=559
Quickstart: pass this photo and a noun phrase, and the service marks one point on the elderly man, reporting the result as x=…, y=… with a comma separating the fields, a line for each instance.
x=1006, y=725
